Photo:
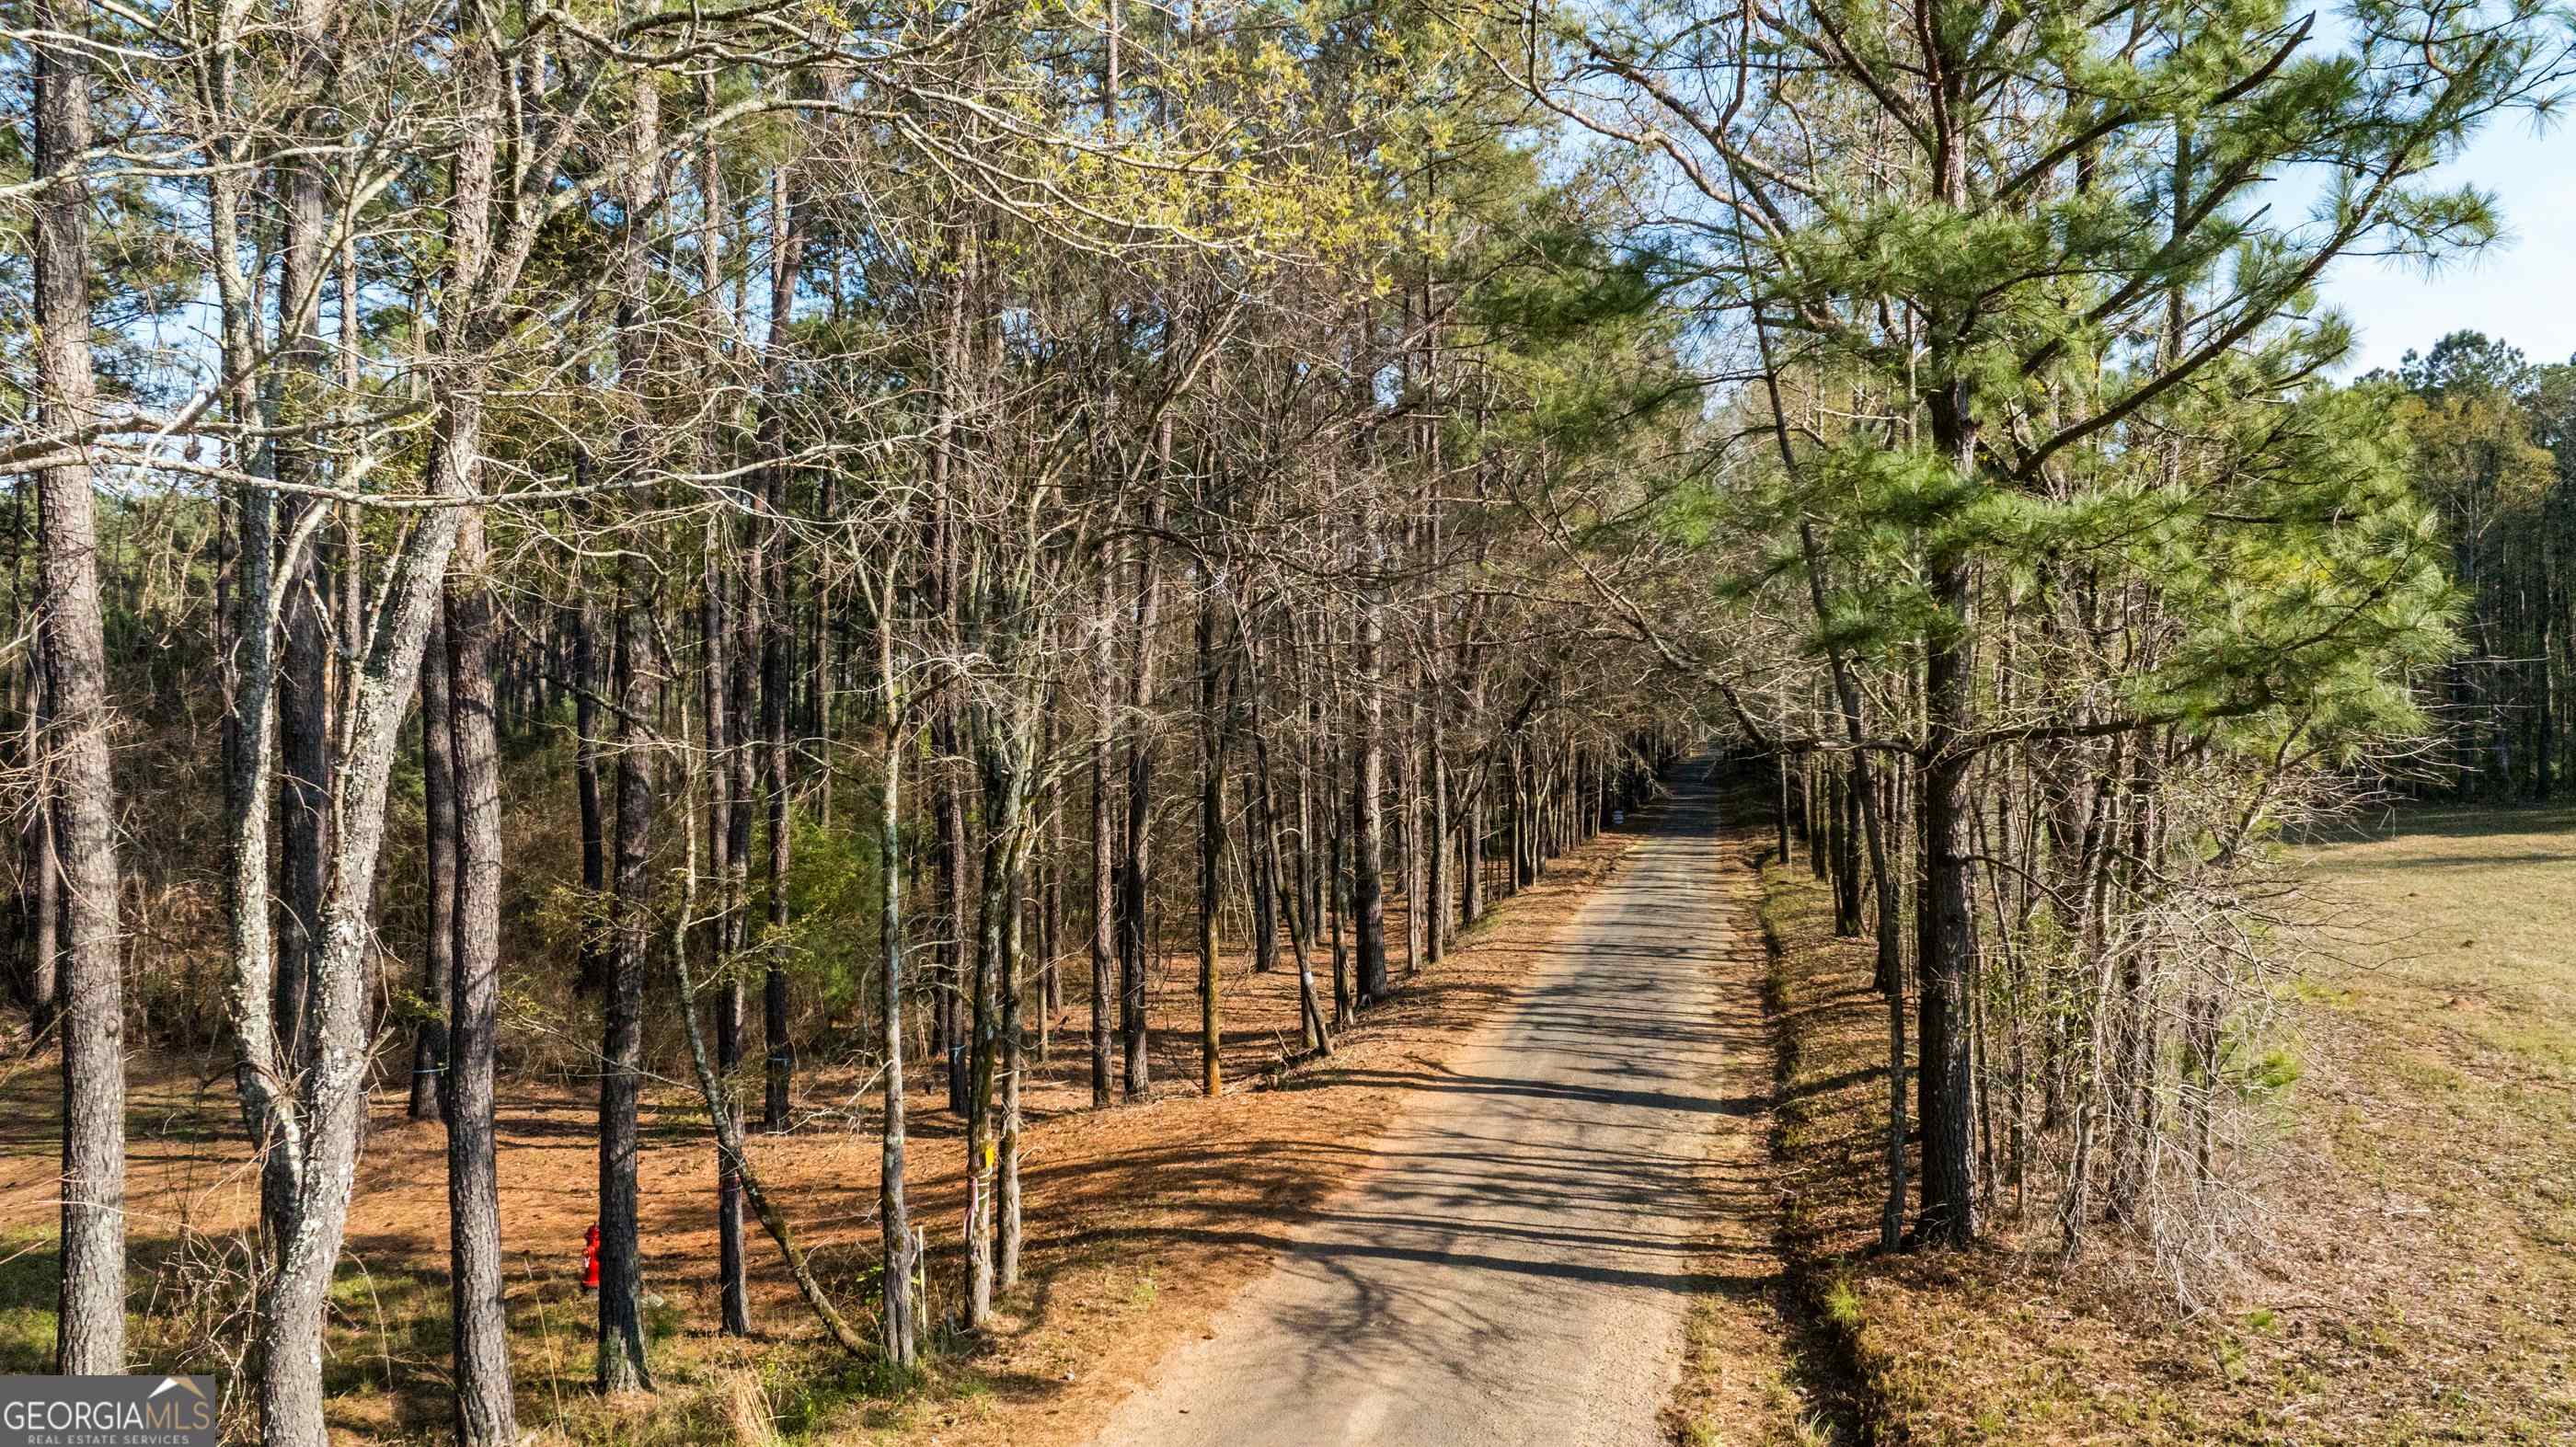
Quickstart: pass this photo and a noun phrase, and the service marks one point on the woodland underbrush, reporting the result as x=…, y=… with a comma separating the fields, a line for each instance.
x=1143, y=1221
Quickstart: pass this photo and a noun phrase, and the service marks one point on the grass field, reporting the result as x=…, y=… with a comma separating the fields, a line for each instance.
x=2462, y=936
x=2419, y=1284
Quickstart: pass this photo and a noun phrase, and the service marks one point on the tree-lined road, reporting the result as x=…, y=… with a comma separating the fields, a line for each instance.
x=1517, y=1266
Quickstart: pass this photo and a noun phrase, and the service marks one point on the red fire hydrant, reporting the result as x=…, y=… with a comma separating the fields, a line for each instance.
x=590, y=1259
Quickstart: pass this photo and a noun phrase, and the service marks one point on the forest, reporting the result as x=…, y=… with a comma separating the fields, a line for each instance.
x=826, y=592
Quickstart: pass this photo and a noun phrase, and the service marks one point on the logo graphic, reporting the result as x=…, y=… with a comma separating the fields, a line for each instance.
x=149, y=1411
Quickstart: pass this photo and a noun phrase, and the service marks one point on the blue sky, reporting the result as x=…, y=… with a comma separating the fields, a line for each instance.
x=2522, y=288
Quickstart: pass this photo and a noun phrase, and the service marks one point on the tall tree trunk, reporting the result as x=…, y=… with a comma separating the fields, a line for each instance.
x=1846, y=861
x=310, y=1119
x=429, y=1072
x=1136, y=870
x=1410, y=851
x=957, y=906
x=90, y=1310
x=1947, y=942
x=1211, y=848
x=982, y=1041
x=1471, y=849
x=780, y=1056
x=1006, y=1205
x=1818, y=795
x=1368, y=820
x=621, y=1365
x=621, y=1358
x=592, y=962
x=1310, y=874
x=263, y=1080
x=899, y=1328
x=777, y=629
x=1050, y=986
x=1104, y=885
x=724, y=930
x=304, y=746
x=305, y=694
x=44, y=881
x=485, y=1415
x=1335, y=891
x=1261, y=845
x=724, y=688
x=323, y=1117
x=1438, y=892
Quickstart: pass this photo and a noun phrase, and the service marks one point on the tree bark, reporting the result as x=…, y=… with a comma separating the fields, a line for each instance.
x=90, y=1309
x=1211, y=849
x=592, y=682
x=724, y=930
x=723, y=687
x=621, y=1365
x=485, y=1415
x=1471, y=849
x=1001, y=785
x=1104, y=884
x=1336, y=889
x=44, y=882
x=957, y=909
x=621, y=1355
x=311, y=1118
x=1261, y=845
x=1438, y=892
x=305, y=691
x=1006, y=1266
x=1135, y=872
x=1949, y=1208
x=780, y=1057
x=1847, y=852
x=899, y=1328
x=429, y=1075
x=1368, y=820
x=777, y=628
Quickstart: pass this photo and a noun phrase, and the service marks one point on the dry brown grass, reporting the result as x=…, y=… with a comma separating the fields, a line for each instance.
x=1749, y=1377
x=1142, y=1222
x=2423, y=1286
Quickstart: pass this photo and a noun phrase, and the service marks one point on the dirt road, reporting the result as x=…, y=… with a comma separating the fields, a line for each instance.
x=1517, y=1265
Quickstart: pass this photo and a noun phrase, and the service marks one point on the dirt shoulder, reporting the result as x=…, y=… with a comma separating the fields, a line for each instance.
x=1751, y=1377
